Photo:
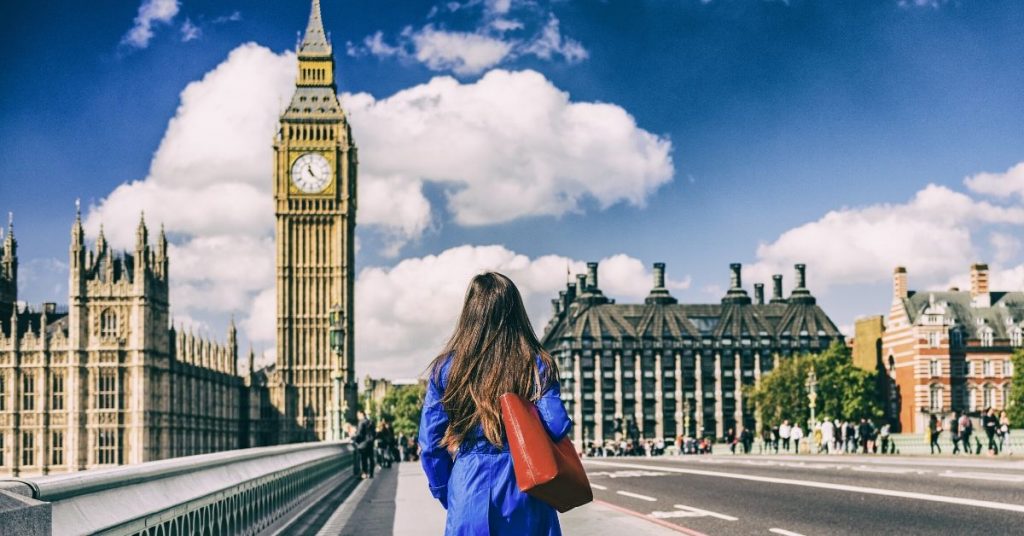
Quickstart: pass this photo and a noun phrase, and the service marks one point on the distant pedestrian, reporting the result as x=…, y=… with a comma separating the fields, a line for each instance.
x=817, y=437
x=1004, y=430
x=991, y=423
x=934, y=429
x=747, y=440
x=883, y=433
x=465, y=455
x=730, y=438
x=796, y=434
x=966, y=429
x=364, y=442
x=784, y=433
x=954, y=431
x=828, y=434
x=864, y=435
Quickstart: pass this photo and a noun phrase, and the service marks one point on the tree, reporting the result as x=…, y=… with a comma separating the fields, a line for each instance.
x=844, y=390
x=1015, y=405
x=402, y=406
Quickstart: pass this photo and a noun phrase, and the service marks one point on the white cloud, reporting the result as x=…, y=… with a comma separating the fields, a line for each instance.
x=550, y=43
x=932, y=235
x=190, y=32
x=513, y=146
x=151, y=12
x=460, y=52
x=1005, y=247
x=405, y=313
x=1006, y=184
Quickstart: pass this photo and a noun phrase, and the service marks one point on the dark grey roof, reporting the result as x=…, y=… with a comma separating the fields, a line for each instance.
x=314, y=102
x=1005, y=312
x=314, y=43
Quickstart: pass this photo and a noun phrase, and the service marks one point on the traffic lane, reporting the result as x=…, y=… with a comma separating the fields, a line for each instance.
x=984, y=484
x=757, y=507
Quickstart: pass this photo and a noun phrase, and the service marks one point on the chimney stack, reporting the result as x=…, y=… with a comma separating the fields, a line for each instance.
x=801, y=276
x=581, y=284
x=759, y=293
x=777, y=289
x=979, y=280
x=591, y=276
x=899, y=283
x=736, y=279
x=659, y=275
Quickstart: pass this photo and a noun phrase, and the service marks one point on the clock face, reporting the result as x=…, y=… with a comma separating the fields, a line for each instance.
x=311, y=173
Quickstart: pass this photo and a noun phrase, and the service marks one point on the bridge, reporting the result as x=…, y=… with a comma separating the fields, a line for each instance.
x=311, y=488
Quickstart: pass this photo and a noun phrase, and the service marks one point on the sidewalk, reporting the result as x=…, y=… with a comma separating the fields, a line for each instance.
x=410, y=510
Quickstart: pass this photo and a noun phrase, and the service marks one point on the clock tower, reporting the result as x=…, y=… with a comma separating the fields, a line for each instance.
x=315, y=206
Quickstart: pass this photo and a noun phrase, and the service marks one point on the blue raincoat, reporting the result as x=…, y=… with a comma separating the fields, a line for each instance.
x=478, y=487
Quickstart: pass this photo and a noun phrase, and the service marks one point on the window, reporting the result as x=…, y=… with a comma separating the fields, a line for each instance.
x=57, y=448
x=988, y=368
x=1017, y=337
x=106, y=447
x=57, y=391
x=106, y=389
x=108, y=324
x=935, y=368
x=970, y=367
x=999, y=368
x=989, y=393
x=3, y=453
x=986, y=337
x=28, y=449
x=935, y=398
x=973, y=399
x=933, y=339
x=28, y=392
x=956, y=339
x=3, y=392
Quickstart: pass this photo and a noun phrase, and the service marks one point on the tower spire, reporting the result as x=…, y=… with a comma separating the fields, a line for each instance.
x=314, y=42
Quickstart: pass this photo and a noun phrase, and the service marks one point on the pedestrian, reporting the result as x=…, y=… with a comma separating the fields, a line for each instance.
x=1004, y=430
x=991, y=423
x=364, y=441
x=863, y=435
x=954, y=431
x=730, y=438
x=747, y=438
x=817, y=437
x=493, y=351
x=883, y=433
x=828, y=431
x=785, y=431
x=966, y=429
x=385, y=444
x=796, y=434
x=934, y=429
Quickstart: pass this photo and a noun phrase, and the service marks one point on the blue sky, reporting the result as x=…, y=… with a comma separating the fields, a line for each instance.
x=850, y=135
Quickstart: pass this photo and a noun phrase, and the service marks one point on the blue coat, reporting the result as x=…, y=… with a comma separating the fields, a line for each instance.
x=478, y=487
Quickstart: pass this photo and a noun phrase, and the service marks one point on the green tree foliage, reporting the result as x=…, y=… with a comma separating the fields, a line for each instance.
x=1015, y=406
x=401, y=406
x=844, y=390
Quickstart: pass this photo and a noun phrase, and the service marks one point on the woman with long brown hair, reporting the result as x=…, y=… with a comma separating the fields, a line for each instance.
x=464, y=449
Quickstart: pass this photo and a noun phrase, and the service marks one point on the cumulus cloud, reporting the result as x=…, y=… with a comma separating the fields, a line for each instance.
x=932, y=234
x=151, y=13
x=550, y=43
x=1007, y=184
x=514, y=145
x=405, y=313
x=189, y=31
x=463, y=53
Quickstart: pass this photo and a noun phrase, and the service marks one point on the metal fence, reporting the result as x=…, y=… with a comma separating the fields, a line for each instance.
x=241, y=492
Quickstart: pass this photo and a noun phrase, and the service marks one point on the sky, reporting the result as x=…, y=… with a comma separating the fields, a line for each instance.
x=527, y=136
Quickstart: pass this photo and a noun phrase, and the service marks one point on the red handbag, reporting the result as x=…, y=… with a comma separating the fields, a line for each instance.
x=549, y=471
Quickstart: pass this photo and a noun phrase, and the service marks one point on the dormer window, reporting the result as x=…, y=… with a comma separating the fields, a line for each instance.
x=986, y=337
x=1016, y=337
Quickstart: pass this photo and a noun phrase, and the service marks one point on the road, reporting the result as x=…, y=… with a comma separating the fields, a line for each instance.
x=816, y=495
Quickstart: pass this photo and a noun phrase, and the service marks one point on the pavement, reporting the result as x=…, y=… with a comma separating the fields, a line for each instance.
x=788, y=495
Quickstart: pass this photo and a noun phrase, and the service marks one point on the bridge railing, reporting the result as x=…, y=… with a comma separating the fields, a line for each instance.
x=248, y=491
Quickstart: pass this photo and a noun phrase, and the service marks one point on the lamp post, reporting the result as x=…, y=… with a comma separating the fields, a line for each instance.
x=336, y=318
x=812, y=393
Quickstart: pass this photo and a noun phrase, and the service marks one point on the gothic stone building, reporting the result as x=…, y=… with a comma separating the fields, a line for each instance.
x=675, y=368
x=107, y=380
x=950, y=350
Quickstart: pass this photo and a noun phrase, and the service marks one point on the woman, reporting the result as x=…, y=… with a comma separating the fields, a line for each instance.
x=1004, y=430
x=464, y=450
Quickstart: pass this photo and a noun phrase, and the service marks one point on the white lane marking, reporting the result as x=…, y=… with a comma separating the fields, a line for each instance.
x=984, y=476
x=828, y=485
x=598, y=486
x=636, y=496
x=627, y=474
x=785, y=532
x=706, y=512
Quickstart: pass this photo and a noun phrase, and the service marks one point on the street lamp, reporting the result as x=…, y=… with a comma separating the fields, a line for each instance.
x=336, y=318
x=812, y=393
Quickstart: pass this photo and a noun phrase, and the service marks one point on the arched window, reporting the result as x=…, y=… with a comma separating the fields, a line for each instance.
x=935, y=397
x=108, y=324
x=989, y=393
x=973, y=399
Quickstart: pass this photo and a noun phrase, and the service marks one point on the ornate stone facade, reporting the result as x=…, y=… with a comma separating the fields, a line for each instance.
x=672, y=368
x=108, y=380
x=315, y=204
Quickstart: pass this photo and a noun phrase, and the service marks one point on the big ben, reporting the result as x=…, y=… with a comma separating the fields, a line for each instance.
x=315, y=206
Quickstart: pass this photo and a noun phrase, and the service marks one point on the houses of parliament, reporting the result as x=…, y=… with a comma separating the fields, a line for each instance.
x=108, y=379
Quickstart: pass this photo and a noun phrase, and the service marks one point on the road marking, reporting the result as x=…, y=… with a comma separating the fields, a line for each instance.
x=701, y=511
x=656, y=521
x=984, y=476
x=828, y=485
x=636, y=496
x=598, y=486
x=627, y=474
x=785, y=532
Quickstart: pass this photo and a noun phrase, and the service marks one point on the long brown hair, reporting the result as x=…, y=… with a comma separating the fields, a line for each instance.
x=493, y=351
